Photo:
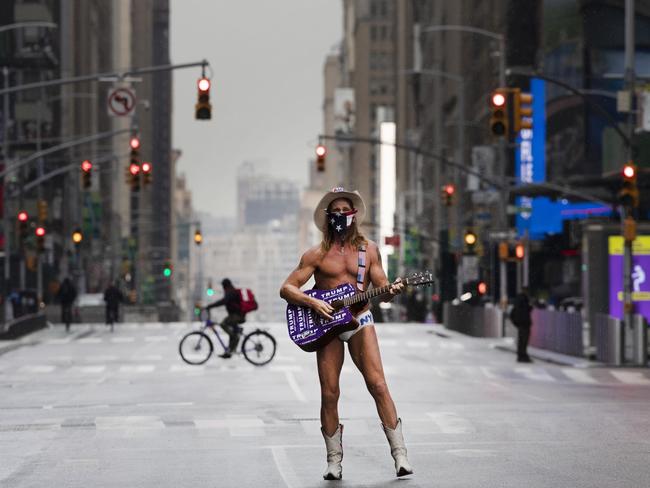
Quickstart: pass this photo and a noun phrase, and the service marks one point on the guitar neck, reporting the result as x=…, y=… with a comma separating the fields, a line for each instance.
x=366, y=295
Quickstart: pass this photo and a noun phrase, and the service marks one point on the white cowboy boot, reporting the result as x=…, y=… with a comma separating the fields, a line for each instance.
x=398, y=449
x=334, y=447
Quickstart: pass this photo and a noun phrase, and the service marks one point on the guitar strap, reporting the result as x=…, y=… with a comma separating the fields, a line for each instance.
x=361, y=272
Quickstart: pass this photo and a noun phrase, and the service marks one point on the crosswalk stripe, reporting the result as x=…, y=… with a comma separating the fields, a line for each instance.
x=37, y=368
x=451, y=423
x=119, y=340
x=90, y=340
x=417, y=344
x=156, y=338
x=631, y=377
x=137, y=368
x=535, y=374
x=88, y=369
x=579, y=375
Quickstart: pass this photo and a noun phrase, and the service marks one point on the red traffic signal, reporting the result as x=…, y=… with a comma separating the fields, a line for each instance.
x=520, y=251
x=86, y=166
x=203, y=107
x=449, y=189
x=40, y=231
x=482, y=288
x=321, y=152
x=629, y=171
x=135, y=142
x=146, y=167
x=134, y=169
x=204, y=84
x=498, y=99
x=22, y=216
x=146, y=172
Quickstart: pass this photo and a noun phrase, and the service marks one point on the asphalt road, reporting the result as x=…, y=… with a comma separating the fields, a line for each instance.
x=95, y=409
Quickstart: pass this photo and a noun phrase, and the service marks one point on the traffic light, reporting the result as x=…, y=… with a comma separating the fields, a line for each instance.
x=481, y=288
x=448, y=194
x=40, y=239
x=321, y=153
x=146, y=173
x=23, y=222
x=629, y=194
x=209, y=291
x=470, y=241
x=134, y=166
x=77, y=237
x=522, y=110
x=203, y=108
x=499, y=112
x=42, y=210
x=167, y=269
x=520, y=251
x=198, y=237
x=504, y=250
x=86, y=174
x=134, y=172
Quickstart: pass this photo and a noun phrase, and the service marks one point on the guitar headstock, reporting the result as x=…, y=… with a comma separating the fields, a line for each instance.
x=422, y=278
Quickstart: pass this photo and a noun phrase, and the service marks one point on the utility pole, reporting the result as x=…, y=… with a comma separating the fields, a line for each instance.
x=629, y=87
x=5, y=207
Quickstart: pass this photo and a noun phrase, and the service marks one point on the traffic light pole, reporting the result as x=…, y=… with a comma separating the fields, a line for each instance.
x=628, y=305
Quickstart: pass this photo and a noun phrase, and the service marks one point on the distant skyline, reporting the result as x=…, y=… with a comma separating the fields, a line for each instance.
x=267, y=89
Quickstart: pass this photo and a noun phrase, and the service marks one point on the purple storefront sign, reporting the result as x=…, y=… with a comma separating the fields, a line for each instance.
x=640, y=276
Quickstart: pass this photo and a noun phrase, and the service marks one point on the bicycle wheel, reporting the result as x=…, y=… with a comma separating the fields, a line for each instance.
x=258, y=347
x=195, y=348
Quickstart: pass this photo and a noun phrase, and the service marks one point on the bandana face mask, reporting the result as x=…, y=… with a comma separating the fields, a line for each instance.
x=340, y=222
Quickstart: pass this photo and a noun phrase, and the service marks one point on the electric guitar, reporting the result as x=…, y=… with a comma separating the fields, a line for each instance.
x=310, y=331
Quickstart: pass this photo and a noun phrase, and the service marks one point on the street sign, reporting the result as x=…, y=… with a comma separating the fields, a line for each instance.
x=644, y=110
x=121, y=102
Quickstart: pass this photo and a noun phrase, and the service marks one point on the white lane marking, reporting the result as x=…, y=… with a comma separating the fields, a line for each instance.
x=283, y=463
x=382, y=329
x=88, y=369
x=58, y=341
x=238, y=426
x=129, y=423
x=447, y=344
x=631, y=377
x=150, y=357
x=286, y=367
x=289, y=359
x=417, y=344
x=291, y=379
x=534, y=374
x=137, y=368
x=186, y=368
x=488, y=373
x=451, y=423
x=90, y=340
x=101, y=358
x=579, y=375
x=153, y=325
x=165, y=404
x=156, y=339
x=388, y=342
x=37, y=368
x=472, y=453
x=120, y=340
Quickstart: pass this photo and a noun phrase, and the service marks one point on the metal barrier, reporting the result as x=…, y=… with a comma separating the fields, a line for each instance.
x=639, y=341
x=609, y=339
x=558, y=331
x=473, y=321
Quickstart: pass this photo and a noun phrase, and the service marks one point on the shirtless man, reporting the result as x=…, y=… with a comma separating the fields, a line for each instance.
x=334, y=262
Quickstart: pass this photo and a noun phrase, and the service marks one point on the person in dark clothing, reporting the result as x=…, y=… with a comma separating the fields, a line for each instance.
x=520, y=316
x=66, y=295
x=232, y=301
x=112, y=296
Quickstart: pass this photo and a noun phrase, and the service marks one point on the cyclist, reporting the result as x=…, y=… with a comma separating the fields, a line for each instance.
x=232, y=302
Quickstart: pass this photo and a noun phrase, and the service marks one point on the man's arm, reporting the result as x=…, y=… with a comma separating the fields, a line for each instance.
x=218, y=303
x=291, y=291
x=378, y=276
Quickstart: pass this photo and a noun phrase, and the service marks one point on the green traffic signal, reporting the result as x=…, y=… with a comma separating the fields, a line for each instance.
x=209, y=292
x=167, y=272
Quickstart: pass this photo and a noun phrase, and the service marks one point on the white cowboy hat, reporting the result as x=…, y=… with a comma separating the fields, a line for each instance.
x=320, y=217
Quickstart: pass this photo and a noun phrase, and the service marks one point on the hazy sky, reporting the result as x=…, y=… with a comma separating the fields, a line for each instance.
x=267, y=88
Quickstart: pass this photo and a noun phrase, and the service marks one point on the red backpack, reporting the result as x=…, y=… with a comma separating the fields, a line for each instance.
x=247, y=301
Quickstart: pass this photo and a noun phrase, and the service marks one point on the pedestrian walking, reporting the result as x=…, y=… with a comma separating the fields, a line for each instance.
x=66, y=295
x=112, y=297
x=346, y=256
x=520, y=317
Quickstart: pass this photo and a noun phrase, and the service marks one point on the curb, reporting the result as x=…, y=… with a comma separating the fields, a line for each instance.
x=551, y=357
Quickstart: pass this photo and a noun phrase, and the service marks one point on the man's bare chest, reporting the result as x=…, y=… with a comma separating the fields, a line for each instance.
x=336, y=268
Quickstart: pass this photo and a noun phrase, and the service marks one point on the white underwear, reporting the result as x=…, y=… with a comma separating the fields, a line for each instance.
x=365, y=319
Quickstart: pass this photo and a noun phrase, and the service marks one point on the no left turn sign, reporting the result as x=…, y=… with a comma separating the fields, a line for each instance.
x=121, y=102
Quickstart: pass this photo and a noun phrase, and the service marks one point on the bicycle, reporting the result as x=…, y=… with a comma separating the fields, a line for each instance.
x=196, y=347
